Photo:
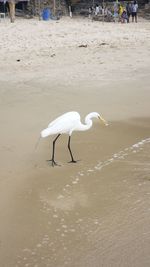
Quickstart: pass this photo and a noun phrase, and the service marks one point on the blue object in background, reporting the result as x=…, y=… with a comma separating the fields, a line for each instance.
x=46, y=14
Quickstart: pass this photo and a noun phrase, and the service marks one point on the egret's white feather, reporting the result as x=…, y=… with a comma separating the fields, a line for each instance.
x=66, y=123
x=73, y=115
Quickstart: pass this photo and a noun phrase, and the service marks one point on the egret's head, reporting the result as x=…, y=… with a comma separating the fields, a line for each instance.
x=95, y=115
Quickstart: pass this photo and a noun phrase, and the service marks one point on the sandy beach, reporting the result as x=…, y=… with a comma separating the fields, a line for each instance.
x=95, y=212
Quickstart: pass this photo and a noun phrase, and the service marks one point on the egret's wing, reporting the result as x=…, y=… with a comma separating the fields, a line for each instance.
x=64, y=123
x=72, y=115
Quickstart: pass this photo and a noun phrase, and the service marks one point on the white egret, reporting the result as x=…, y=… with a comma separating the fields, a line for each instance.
x=66, y=124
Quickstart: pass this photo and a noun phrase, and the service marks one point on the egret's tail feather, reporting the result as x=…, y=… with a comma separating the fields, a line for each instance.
x=37, y=143
x=46, y=132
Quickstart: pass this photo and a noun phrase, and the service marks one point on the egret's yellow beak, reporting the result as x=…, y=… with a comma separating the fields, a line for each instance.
x=103, y=120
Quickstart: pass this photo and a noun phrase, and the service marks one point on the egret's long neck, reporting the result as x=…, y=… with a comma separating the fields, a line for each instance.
x=87, y=125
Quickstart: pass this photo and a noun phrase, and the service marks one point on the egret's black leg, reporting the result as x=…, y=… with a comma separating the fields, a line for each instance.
x=53, y=153
x=72, y=159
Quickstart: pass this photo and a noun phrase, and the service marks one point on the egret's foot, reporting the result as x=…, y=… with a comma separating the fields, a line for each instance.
x=73, y=161
x=54, y=163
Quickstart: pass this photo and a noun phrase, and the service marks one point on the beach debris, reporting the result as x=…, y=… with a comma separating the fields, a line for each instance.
x=18, y=60
x=103, y=43
x=83, y=45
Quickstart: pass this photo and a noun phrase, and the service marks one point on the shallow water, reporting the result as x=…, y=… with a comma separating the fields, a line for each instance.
x=93, y=213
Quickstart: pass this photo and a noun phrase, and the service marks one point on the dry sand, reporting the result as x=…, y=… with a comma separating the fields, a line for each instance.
x=95, y=212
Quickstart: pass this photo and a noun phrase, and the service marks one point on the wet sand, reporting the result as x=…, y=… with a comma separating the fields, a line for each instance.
x=95, y=212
